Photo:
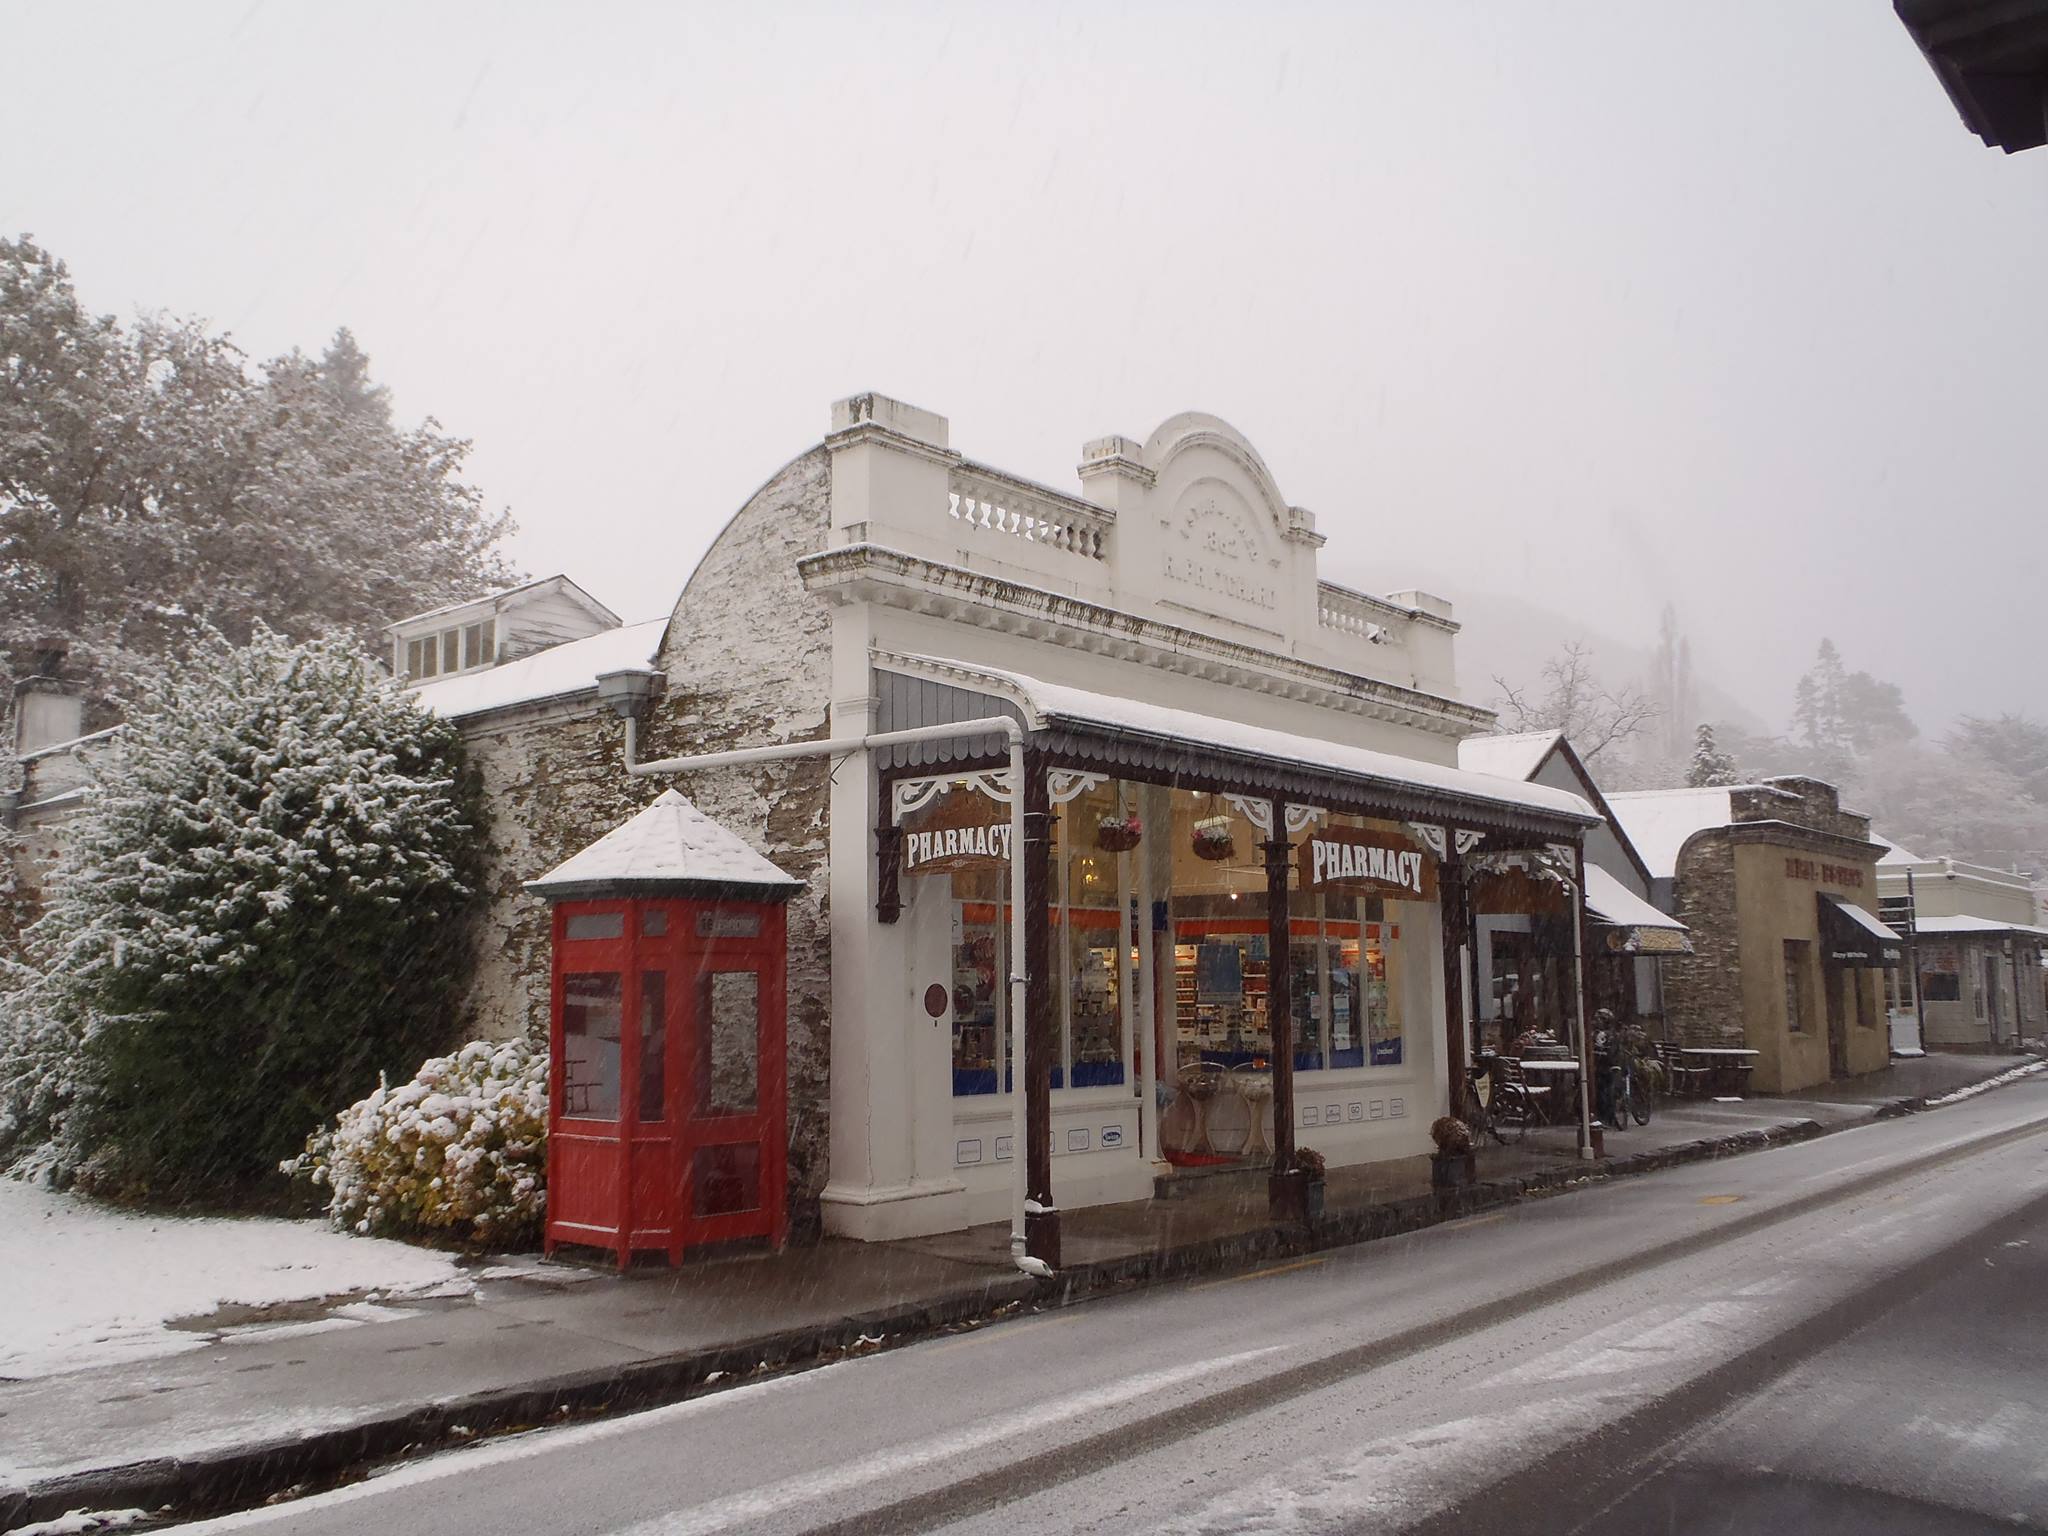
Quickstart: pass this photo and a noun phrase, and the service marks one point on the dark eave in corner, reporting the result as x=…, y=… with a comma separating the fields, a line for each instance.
x=1991, y=56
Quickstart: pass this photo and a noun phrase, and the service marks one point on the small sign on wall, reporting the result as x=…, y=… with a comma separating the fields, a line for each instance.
x=1112, y=1137
x=966, y=1153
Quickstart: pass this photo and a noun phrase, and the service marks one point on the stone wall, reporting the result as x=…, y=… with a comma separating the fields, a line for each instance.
x=1804, y=802
x=748, y=657
x=1703, y=991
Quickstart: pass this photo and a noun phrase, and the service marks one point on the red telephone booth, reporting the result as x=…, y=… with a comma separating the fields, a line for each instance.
x=667, y=1083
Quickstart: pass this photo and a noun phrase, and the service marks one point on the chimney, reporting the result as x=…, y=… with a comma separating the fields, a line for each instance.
x=45, y=711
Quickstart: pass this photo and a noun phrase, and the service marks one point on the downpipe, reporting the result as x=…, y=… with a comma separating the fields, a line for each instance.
x=1013, y=733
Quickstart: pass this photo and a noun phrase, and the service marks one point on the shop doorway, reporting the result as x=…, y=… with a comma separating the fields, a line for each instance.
x=1838, y=980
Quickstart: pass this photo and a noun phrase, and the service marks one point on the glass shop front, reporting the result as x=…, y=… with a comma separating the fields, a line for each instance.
x=1192, y=866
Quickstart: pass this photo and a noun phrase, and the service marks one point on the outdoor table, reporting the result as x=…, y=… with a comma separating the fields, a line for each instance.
x=1543, y=1066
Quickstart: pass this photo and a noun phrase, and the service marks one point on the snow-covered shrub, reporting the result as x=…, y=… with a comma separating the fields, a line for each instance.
x=263, y=906
x=461, y=1149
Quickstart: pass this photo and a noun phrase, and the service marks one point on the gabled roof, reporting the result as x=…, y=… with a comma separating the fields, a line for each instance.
x=1515, y=756
x=559, y=672
x=671, y=848
x=497, y=600
x=1523, y=754
x=1659, y=821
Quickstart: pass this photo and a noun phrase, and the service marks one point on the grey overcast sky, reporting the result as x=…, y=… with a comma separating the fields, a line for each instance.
x=1601, y=304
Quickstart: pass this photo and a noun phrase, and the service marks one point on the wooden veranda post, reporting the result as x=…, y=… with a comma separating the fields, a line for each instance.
x=1040, y=1037
x=1456, y=920
x=1279, y=999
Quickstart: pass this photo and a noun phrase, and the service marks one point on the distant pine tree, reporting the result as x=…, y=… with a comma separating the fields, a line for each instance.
x=1710, y=765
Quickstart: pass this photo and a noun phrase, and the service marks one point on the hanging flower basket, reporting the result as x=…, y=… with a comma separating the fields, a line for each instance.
x=1212, y=839
x=1119, y=834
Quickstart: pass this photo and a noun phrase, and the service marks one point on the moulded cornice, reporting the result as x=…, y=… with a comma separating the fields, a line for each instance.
x=862, y=432
x=892, y=578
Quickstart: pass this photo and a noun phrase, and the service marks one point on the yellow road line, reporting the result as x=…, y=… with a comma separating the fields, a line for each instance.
x=1260, y=1274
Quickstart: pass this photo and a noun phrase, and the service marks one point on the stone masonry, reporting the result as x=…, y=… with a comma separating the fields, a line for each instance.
x=747, y=654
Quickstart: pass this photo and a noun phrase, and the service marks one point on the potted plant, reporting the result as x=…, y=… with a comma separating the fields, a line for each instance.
x=1295, y=1193
x=1453, y=1164
x=1309, y=1167
x=1119, y=834
x=1212, y=839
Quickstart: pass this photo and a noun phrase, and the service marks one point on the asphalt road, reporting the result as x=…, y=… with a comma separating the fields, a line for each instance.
x=1844, y=1335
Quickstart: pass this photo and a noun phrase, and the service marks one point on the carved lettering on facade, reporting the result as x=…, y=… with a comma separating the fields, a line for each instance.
x=1847, y=875
x=1219, y=557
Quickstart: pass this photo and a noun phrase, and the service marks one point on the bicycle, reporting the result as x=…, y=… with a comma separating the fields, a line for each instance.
x=1631, y=1092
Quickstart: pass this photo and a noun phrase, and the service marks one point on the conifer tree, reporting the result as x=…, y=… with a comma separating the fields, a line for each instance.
x=1710, y=765
x=264, y=904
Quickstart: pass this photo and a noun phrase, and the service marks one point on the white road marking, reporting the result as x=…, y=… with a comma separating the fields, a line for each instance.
x=813, y=1487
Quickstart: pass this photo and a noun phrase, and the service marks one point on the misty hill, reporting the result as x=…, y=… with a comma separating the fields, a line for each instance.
x=1511, y=636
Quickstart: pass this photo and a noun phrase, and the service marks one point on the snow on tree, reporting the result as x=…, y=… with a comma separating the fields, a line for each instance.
x=152, y=486
x=1710, y=765
x=264, y=905
x=460, y=1150
x=1575, y=701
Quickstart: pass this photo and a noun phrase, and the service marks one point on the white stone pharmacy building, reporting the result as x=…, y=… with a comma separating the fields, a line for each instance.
x=1245, y=834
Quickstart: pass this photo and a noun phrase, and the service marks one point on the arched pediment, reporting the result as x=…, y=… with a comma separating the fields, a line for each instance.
x=1191, y=432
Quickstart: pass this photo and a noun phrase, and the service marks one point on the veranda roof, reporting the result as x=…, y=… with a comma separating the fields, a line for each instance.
x=1115, y=731
x=669, y=849
x=1645, y=929
x=1975, y=927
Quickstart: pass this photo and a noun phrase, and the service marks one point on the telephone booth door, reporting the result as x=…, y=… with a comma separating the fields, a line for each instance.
x=730, y=1047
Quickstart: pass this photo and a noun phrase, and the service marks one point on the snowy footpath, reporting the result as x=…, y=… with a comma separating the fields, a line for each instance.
x=87, y=1284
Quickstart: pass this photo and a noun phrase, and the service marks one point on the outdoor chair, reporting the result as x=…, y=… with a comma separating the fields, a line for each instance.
x=1516, y=1101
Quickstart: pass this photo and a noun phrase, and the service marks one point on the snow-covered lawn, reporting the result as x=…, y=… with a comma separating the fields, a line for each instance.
x=83, y=1284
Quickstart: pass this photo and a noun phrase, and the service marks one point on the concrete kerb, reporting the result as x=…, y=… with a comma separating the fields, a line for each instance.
x=247, y=1474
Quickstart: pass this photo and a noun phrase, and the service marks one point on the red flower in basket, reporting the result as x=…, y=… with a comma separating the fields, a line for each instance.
x=1119, y=834
x=1212, y=839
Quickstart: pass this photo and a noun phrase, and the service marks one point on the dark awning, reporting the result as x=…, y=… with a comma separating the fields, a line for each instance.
x=1851, y=936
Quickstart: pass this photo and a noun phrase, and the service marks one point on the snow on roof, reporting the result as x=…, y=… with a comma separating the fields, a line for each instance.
x=1608, y=898
x=1508, y=757
x=1042, y=701
x=557, y=672
x=1893, y=853
x=556, y=580
x=1957, y=926
x=669, y=844
x=1658, y=821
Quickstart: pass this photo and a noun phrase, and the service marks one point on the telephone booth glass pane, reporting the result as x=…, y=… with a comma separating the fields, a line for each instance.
x=596, y=925
x=653, y=1044
x=591, y=1009
x=726, y=1179
x=729, y=1044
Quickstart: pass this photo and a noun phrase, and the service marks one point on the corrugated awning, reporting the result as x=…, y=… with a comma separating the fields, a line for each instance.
x=1851, y=936
x=1634, y=926
x=1117, y=731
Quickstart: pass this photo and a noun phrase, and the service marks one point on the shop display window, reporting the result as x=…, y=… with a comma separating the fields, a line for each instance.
x=981, y=964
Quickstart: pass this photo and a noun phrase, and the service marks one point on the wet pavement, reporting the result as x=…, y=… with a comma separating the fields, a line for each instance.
x=556, y=1333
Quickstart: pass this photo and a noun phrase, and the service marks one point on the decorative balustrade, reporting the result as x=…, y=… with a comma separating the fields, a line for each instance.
x=1355, y=614
x=998, y=504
